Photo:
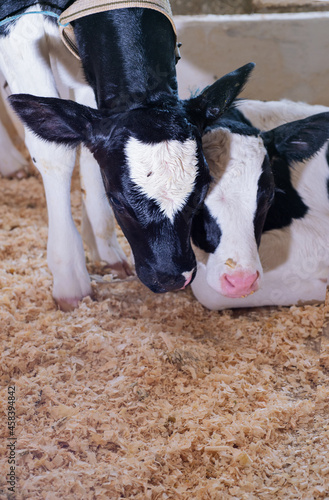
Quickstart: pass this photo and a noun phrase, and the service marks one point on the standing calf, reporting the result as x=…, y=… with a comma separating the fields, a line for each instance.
x=146, y=141
x=273, y=182
x=11, y=161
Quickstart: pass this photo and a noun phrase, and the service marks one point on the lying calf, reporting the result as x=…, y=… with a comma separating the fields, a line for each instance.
x=262, y=183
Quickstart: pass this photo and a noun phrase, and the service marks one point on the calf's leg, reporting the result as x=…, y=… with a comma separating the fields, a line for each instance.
x=11, y=161
x=25, y=64
x=98, y=224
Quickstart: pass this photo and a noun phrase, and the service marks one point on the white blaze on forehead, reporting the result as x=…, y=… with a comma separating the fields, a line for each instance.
x=235, y=161
x=165, y=172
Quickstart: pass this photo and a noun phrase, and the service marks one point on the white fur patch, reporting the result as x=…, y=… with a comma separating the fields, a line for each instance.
x=235, y=162
x=266, y=115
x=164, y=172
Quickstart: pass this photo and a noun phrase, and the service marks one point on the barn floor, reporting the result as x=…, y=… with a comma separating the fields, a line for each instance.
x=144, y=396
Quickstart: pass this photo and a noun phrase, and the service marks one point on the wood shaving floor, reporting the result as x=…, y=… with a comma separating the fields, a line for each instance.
x=147, y=396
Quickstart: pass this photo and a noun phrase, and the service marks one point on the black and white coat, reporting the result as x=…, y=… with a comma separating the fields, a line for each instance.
x=265, y=222
x=146, y=141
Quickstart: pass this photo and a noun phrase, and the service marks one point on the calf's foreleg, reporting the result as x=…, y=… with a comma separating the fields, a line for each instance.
x=24, y=62
x=98, y=224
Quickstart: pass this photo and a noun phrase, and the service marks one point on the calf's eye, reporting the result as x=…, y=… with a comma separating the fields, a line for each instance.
x=116, y=203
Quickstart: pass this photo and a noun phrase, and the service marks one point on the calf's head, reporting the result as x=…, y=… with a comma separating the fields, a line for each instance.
x=246, y=166
x=153, y=167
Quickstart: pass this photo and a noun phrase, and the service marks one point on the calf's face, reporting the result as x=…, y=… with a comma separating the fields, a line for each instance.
x=244, y=196
x=235, y=210
x=154, y=171
x=155, y=184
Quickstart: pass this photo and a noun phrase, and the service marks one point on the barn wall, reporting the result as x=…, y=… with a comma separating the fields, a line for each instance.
x=289, y=49
x=195, y=7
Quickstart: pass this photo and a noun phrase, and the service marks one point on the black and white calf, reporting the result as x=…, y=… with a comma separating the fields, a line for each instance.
x=273, y=182
x=146, y=141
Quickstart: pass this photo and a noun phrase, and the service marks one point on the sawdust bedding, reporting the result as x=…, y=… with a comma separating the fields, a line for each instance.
x=144, y=396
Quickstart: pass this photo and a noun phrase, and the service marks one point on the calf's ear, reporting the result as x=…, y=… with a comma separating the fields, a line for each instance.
x=56, y=120
x=207, y=107
x=298, y=140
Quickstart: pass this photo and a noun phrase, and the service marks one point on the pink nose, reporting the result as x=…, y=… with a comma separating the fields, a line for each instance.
x=239, y=283
x=188, y=277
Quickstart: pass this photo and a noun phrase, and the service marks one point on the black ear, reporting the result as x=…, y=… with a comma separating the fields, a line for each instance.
x=298, y=140
x=207, y=107
x=57, y=120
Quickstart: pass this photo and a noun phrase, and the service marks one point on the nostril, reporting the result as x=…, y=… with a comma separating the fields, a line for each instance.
x=253, y=281
x=256, y=277
x=229, y=281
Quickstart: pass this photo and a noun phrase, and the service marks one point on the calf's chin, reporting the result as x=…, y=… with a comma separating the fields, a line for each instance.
x=166, y=277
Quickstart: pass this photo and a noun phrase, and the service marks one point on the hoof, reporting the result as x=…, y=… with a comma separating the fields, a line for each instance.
x=67, y=305
x=120, y=269
x=22, y=173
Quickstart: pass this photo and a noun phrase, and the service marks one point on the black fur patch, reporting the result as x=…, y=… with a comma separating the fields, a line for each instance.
x=287, y=204
x=265, y=196
x=206, y=233
x=235, y=122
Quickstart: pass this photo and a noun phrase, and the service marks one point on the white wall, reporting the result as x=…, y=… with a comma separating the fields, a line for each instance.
x=291, y=52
